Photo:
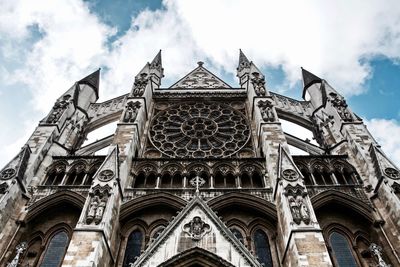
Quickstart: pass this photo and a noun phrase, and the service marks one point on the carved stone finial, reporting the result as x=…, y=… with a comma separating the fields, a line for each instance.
x=200, y=63
x=377, y=252
x=20, y=249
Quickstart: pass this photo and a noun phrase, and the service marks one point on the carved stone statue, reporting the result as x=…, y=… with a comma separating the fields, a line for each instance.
x=259, y=84
x=58, y=109
x=297, y=203
x=196, y=228
x=3, y=188
x=341, y=106
x=94, y=204
x=100, y=210
x=304, y=211
x=295, y=209
x=131, y=112
x=140, y=84
x=98, y=203
x=267, y=113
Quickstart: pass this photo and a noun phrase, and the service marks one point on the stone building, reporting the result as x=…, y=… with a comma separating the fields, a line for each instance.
x=200, y=174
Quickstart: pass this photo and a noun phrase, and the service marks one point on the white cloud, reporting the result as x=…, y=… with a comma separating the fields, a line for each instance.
x=386, y=133
x=330, y=38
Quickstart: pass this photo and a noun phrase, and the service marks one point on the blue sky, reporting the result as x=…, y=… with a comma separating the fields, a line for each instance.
x=46, y=46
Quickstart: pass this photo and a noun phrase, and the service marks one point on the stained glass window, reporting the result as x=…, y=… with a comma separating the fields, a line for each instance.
x=342, y=251
x=133, y=247
x=55, y=250
x=263, y=250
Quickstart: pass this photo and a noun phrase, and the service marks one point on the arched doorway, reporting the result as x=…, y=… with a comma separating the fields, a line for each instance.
x=196, y=257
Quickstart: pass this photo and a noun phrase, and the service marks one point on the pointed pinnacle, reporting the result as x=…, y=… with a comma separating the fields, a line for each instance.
x=92, y=80
x=309, y=78
x=157, y=60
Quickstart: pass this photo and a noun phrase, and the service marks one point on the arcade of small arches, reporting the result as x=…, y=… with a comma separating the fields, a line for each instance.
x=245, y=175
x=77, y=173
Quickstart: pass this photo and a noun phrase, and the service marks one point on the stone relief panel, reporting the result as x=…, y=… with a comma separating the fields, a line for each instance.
x=131, y=111
x=196, y=228
x=140, y=84
x=58, y=109
x=297, y=204
x=97, y=205
x=199, y=130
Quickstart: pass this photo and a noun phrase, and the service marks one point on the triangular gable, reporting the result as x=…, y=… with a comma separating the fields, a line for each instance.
x=17, y=166
x=109, y=164
x=200, y=77
x=180, y=235
x=383, y=165
x=287, y=169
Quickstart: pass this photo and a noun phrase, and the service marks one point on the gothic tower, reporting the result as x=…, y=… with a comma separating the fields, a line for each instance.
x=200, y=174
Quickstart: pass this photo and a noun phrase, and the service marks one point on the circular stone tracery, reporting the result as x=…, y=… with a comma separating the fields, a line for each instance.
x=199, y=130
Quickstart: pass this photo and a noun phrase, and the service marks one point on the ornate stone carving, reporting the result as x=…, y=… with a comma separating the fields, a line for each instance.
x=267, y=113
x=297, y=204
x=199, y=130
x=97, y=204
x=290, y=175
x=197, y=181
x=392, y=173
x=139, y=86
x=106, y=175
x=200, y=78
x=377, y=252
x=3, y=188
x=131, y=111
x=7, y=174
x=258, y=82
x=58, y=109
x=341, y=106
x=20, y=250
x=196, y=228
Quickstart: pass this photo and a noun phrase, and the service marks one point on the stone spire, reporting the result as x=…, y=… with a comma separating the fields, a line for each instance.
x=243, y=61
x=93, y=80
x=309, y=78
x=156, y=63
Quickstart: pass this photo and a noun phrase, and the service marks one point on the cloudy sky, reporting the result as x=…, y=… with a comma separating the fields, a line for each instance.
x=45, y=46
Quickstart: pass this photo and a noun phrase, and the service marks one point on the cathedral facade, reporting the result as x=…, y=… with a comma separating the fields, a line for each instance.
x=200, y=174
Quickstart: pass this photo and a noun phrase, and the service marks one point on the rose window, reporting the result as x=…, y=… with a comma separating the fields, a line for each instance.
x=199, y=130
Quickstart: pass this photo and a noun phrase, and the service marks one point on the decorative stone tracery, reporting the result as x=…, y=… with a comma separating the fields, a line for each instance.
x=199, y=130
x=341, y=106
x=58, y=109
x=7, y=174
x=392, y=173
x=196, y=228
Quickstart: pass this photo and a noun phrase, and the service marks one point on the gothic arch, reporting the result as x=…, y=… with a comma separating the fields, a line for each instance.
x=195, y=257
x=336, y=197
x=244, y=200
x=53, y=200
x=144, y=202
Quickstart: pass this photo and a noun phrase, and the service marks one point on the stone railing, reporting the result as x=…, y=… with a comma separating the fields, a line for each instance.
x=43, y=191
x=356, y=191
x=207, y=194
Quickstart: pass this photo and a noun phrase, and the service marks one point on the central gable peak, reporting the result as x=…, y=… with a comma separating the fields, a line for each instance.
x=200, y=78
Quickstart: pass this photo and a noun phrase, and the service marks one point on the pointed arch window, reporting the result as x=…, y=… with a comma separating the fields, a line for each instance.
x=341, y=250
x=133, y=247
x=238, y=235
x=55, y=251
x=262, y=248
